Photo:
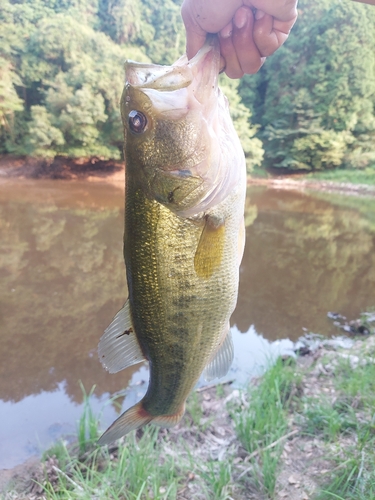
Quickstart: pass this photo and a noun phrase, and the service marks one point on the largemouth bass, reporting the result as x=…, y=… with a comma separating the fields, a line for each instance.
x=184, y=234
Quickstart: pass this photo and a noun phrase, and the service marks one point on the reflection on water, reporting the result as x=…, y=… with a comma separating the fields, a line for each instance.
x=62, y=279
x=306, y=254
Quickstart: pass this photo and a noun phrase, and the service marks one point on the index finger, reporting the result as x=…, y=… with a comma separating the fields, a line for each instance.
x=282, y=10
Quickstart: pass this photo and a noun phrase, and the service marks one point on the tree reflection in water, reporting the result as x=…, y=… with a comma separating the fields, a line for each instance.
x=306, y=254
x=62, y=275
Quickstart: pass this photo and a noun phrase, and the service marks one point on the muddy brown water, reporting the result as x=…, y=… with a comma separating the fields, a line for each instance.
x=62, y=279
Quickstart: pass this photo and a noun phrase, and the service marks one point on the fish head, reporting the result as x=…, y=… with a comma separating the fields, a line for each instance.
x=179, y=137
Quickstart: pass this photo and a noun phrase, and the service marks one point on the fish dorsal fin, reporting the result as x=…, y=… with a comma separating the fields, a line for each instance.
x=119, y=348
x=222, y=359
x=209, y=253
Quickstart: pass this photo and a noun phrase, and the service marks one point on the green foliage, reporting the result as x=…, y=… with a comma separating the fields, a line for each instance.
x=61, y=77
x=9, y=100
x=218, y=478
x=88, y=432
x=66, y=81
x=155, y=26
x=314, y=99
x=353, y=176
x=61, y=73
x=351, y=415
x=261, y=424
x=264, y=420
x=44, y=138
x=135, y=472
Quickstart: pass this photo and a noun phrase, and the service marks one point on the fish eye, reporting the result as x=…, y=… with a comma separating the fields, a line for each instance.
x=137, y=121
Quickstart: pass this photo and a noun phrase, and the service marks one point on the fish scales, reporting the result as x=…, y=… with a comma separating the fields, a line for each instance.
x=175, y=291
x=184, y=235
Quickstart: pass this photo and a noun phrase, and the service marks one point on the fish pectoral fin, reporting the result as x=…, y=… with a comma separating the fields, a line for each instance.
x=119, y=348
x=209, y=253
x=220, y=363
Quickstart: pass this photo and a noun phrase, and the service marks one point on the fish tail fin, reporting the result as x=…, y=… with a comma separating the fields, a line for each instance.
x=136, y=417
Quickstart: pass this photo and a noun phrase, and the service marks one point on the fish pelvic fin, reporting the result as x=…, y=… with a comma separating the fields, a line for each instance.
x=136, y=417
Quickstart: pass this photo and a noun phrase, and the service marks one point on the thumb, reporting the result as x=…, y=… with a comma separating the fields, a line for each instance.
x=195, y=35
x=194, y=42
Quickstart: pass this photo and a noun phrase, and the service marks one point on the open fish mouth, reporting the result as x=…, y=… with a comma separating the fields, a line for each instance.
x=201, y=71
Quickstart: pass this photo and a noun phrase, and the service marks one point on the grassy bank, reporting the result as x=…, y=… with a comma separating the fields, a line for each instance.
x=355, y=176
x=305, y=430
x=360, y=177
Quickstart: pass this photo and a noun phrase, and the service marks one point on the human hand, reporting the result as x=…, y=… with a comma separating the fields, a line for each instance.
x=249, y=30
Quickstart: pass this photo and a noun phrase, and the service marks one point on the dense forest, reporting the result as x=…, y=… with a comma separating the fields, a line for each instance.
x=310, y=107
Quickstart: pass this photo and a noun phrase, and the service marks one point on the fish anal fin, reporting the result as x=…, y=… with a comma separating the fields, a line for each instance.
x=169, y=420
x=119, y=348
x=209, y=253
x=221, y=361
x=131, y=419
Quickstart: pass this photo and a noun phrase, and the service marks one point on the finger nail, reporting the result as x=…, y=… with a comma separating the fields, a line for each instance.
x=259, y=14
x=226, y=32
x=240, y=18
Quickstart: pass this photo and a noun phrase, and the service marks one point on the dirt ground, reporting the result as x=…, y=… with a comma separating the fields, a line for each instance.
x=61, y=168
x=304, y=463
x=296, y=182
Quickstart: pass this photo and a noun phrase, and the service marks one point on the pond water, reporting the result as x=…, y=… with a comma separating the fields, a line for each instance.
x=62, y=279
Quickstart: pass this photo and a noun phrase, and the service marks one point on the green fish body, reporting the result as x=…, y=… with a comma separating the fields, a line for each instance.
x=184, y=235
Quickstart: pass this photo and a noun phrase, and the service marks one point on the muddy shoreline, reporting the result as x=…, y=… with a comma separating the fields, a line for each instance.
x=290, y=183
x=96, y=169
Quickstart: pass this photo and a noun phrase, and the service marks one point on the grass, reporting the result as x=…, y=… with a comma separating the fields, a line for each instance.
x=133, y=471
x=342, y=175
x=262, y=420
x=350, y=419
x=194, y=409
x=240, y=455
x=354, y=176
x=353, y=479
x=154, y=464
x=218, y=480
x=88, y=432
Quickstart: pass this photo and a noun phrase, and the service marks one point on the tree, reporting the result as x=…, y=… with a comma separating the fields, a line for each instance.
x=9, y=100
x=61, y=63
x=314, y=99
